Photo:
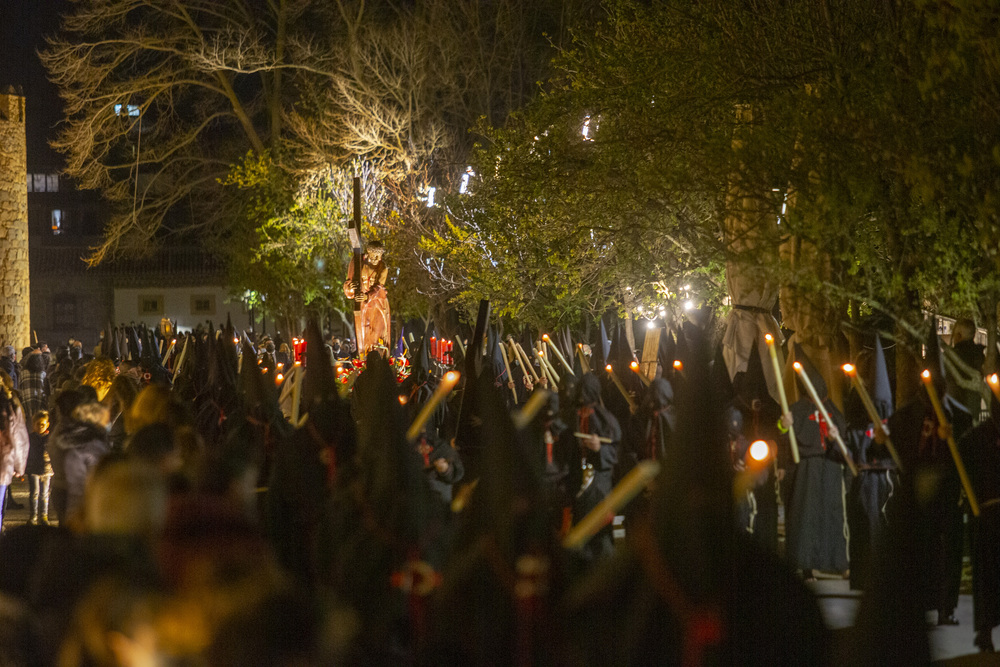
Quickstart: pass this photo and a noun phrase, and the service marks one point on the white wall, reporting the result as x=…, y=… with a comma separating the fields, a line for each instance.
x=177, y=304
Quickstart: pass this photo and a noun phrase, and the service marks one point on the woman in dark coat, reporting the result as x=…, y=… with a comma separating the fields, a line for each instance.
x=80, y=440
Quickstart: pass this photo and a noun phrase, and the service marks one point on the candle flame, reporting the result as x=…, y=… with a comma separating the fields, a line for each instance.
x=279, y=377
x=848, y=368
x=926, y=374
x=235, y=340
x=994, y=379
x=797, y=366
x=678, y=365
x=298, y=363
x=769, y=338
x=402, y=399
x=608, y=368
x=451, y=376
x=634, y=365
x=759, y=451
x=545, y=337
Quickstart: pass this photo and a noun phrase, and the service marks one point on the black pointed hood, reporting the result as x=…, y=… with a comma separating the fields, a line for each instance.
x=722, y=386
x=319, y=383
x=603, y=350
x=589, y=390
x=934, y=360
x=667, y=352
x=814, y=375
x=659, y=394
x=752, y=384
x=881, y=388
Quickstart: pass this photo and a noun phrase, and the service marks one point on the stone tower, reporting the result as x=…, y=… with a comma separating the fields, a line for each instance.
x=15, y=327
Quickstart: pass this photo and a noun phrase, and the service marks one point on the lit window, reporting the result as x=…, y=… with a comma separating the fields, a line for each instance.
x=57, y=221
x=52, y=182
x=39, y=182
x=585, y=130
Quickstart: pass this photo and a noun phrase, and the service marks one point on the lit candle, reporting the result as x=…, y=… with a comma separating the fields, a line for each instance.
x=180, y=359
x=635, y=369
x=952, y=446
x=826, y=415
x=170, y=348
x=866, y=400
x=555, y=351
x=506, y=367
x=523, y=358
x=621, y=387
x=447, y=383
x=994, y=382
x=769, y=339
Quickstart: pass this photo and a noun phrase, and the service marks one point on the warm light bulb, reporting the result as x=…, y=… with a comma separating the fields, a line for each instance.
x=759, y=450
x=651, y=325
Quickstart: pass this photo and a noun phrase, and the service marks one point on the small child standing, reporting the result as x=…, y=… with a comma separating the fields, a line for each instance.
x=39, y=468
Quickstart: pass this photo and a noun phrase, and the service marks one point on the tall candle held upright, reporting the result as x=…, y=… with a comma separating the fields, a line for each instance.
x=448, y=383
x=952, y=446
x=792, y=441
x=866, y=400
x=826, y=416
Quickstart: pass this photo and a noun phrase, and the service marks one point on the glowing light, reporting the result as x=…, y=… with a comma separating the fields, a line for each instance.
x=634, y=365
x=689, y=305
x=278, y=378
x=403, y=399
x=298, y=363
x=926, y=374
x=451, y=377
x=236, y=341
x=848, y=368
x=463, y=186
x=651, y=325
x=769, y=338
x=545, y=337
x=608, y=368
x=678, y=365
x=994, y=379
x=759, y=451
x=430, y=196
x=797, y=366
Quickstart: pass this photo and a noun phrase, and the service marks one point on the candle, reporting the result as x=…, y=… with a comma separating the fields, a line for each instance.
x=544, y=359
x=584, y=364
x=826, y=415
x=297, y=392
x=635, y=369
x=434, y=348
x=630, y=486
x=621, y=387
x=866, y=400
x=952, y=446
x=994, y=382
x=523, y=358
x=447, y=383
x=769, y=339
x=506, y=367
x=170, y=348
x=180, y=359
x=555, y=351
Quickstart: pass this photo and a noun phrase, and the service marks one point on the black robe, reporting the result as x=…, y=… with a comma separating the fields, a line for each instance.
x=926, y=457
x=815, y=520
x=592, y=418
x=980, y=450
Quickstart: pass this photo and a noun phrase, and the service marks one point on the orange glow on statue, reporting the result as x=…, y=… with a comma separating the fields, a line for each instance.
x=373, y=297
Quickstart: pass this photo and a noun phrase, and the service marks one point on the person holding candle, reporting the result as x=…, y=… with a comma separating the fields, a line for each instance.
x=980, y=449
x=591, y=473
x=815, y=519
x=922, y=442
x=870, y=493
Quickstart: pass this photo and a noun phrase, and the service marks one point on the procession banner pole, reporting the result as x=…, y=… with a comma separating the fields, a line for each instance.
x=826, y=416
x=618, y=383
x=866, y=400
x=952, y=446
x=769, y=339
x=354, y=232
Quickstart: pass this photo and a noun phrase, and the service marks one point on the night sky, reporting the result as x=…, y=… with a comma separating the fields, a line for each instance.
x=23, y=27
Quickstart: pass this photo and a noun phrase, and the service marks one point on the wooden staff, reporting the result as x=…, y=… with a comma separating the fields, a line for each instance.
x=866, y=400
x=635, y=369
x=826, y=416
x=555, y=350
x=630, y=486
x=792, y=440
x=545, y=369
x=621, y=387
x=447, y=383
x=952, y=446
x=506, y=367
